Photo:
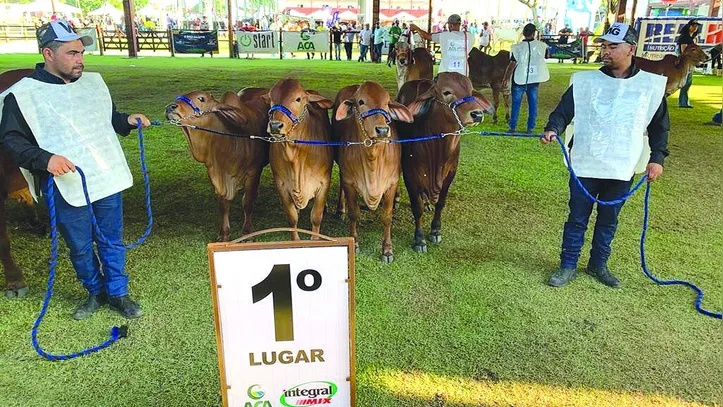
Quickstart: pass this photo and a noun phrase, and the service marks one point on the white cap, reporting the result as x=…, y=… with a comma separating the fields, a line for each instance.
x=62, y=31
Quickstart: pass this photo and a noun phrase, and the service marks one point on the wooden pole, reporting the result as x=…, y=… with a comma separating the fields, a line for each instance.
x=714, y=8
x=429, y=24
x=230, y=29
x=130, y=28
x=52, y=5
x=620, y=12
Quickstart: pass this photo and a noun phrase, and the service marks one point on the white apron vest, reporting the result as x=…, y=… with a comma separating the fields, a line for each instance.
x=455, y=48
x=74, y=120
x=531, y=66
x=612, y=116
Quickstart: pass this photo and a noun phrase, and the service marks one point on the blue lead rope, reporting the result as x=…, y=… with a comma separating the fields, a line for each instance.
x=115, y=332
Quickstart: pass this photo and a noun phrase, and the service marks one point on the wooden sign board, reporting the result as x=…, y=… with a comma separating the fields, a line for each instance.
x=284, y=314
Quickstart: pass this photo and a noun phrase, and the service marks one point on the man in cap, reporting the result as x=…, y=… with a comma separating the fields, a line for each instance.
x=528, y=64
x=454, y=45
x=688, y=35
x=394, y=33
x=60, y=118
x=613, y=107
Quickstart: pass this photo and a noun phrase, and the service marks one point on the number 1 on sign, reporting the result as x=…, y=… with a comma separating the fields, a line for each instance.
x=278, y=283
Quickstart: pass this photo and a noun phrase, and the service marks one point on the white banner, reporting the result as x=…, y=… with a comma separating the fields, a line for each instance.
x=295, y=41
x=283, y=322
x=657, y=36
x=92, y=33
x=257, y=42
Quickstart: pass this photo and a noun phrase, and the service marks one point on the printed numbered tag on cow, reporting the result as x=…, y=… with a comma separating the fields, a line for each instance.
x=284, y=322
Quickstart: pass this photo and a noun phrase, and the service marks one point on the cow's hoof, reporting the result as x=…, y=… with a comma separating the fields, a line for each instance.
x=13, y=293
x=420, y=247
x=428, y=207
x=387, y=258
x=494, y=121
x=435, y=237
x=396, y=205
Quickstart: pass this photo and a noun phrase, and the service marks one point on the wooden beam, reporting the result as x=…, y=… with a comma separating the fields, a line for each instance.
x=714, y=9
x=130, y=25
x=375, y=13
x=632, y=13
x=620, y=11
x=230, y=29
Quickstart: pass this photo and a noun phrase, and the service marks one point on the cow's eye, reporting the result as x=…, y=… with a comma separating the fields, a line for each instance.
x=447, y=93
x=201, y=99
x=298, y=100
x=361, y=103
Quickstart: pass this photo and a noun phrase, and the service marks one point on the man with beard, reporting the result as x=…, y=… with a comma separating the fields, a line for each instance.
x=60, y=118
x=613, y=107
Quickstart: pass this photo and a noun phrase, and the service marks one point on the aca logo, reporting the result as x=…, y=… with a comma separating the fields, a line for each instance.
x=309, y=394
x=306, y=43
x=256, y=393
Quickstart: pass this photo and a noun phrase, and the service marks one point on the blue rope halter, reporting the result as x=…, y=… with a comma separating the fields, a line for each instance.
x=188, y=101
x=284, y=110
x=372, y=112
x=458, y=102
x=115, y=332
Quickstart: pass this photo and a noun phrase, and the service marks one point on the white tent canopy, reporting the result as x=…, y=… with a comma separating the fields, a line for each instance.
x=46, y=6
x=107, y=9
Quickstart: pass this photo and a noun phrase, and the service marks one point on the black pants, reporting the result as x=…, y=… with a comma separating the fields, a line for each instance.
x=715, y=56
x=347, y=47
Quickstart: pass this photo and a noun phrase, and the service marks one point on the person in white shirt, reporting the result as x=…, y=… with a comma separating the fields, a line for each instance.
x=454, y=45
x=365, y=40
x=485, y=38
x=530, y=69
x=380, y=34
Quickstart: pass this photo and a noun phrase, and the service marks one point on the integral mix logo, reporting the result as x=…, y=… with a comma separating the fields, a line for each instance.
x=309, y=394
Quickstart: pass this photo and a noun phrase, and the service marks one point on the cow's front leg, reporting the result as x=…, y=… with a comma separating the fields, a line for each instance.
x=354, y=213
x=388, y=202
x=496, y=101
x=435, y=235
x=251, y=192
x=224, y=206
x=292, y=214
x=317, y=212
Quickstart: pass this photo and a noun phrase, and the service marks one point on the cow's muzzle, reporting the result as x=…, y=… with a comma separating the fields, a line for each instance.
x=381, y=131
x=276, y=127
x=477, y=115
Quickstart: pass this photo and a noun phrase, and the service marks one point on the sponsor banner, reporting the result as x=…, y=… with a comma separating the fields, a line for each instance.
x=295, y=41
x=657, y=36
x=195, y=42
x=284, y=319
x=257, y=42
x=92, y=33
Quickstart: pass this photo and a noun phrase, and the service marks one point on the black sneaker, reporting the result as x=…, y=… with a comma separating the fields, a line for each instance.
x=603, y=275
x=125, y=306
x=562, y=276
x=91, y=304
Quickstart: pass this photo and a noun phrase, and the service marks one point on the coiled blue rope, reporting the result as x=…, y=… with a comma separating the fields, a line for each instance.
x=115, y=332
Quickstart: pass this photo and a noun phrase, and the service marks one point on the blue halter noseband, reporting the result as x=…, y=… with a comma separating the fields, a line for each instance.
x=458, y=102
x=188, y=101
x=372, y=112
x=285, y=111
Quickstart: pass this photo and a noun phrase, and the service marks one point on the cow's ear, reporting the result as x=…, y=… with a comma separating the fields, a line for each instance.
x=320, y=101
x=344, y=111
x=400, y=113
x=266, y=97
x=231, y=114
x=483, y=102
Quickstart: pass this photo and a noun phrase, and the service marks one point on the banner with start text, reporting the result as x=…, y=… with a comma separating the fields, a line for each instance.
x=257, y=42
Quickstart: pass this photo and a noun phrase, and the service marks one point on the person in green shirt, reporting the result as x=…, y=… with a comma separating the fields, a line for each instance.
x=394, y=33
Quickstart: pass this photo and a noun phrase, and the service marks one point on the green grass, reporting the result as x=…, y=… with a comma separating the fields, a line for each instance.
x=471, y=323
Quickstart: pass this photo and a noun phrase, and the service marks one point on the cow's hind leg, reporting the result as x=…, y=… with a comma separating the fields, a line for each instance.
x=506, y=98
x=224, y=206
x=251, y=192
x=496, y=102
x=387, y=213
x=14, y=281
x=420, y=246
x=435, y=235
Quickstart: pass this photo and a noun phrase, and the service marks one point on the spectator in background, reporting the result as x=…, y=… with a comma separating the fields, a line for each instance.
x=379, y=34
x=348, y=41
x=365, y=40
x=715, y=60
x=336, y=39
x=320, y=28
x=585, y=34
x=394, y=33
x=203, y=26
x=485, y=38
x=565, y=34
x=688, y=35
x=454, y=45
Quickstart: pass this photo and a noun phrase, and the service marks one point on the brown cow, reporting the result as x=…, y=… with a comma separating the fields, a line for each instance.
x=12, y=185
x=429, y=166
x=675, y=68
x=412, y=63
x=486, y=70
x=301, y=172
x=364, y=112
x=231, y=162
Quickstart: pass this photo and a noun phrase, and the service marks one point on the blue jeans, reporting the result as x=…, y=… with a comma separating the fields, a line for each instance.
x=363, y=52
x=337, y=51
x=517, y=92
x=573, y=235
x=683, y=96
x=104, y=272
x=378, y=51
